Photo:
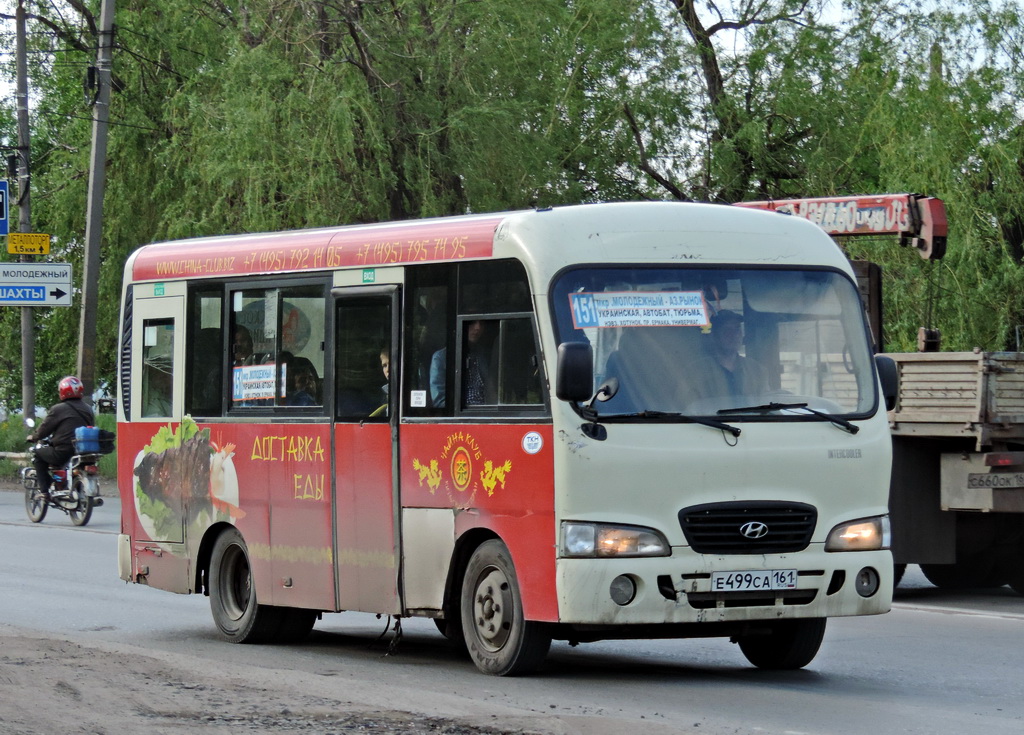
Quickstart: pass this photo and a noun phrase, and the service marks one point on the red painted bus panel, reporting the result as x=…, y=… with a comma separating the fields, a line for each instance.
x=366, y=518
x=500, y=476
x=274, y=483
x=233, y=473
x=360, y=246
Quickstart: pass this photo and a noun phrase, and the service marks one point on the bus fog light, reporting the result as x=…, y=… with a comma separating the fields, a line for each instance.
x=622, y=589
x=867, y=582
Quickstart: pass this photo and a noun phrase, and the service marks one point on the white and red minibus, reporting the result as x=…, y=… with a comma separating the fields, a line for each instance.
x=635, y=420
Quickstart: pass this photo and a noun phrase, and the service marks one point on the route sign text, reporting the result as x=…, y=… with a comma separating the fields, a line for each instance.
x=35, y=284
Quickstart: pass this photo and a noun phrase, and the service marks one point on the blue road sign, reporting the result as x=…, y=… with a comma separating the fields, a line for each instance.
x=3, y=208
x=26, y=295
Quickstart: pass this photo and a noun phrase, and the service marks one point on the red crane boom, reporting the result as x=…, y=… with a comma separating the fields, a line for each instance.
x=919, y=220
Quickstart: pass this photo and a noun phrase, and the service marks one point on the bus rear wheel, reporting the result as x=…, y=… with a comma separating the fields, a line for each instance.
x=237, y=614
x=791, y=644
x=498, y=639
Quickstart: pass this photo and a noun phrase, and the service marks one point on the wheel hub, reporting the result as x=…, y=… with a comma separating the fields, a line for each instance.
x=492, y=608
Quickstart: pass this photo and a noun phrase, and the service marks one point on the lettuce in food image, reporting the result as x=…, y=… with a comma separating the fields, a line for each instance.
x=182, y=477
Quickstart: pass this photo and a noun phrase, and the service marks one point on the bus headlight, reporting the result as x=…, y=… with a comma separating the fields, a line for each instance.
x=866, y=534
x=604, y=540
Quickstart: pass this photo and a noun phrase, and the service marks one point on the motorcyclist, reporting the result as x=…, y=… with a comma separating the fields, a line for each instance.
x=59, y=425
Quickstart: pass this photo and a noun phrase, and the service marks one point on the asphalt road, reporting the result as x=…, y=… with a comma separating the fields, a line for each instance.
x=939, y=663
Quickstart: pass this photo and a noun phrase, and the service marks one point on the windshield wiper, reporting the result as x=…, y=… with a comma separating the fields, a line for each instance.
x=836, y=420
x=650, y=414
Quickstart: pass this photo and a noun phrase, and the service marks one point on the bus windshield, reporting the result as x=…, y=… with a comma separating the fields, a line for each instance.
x=747, y=344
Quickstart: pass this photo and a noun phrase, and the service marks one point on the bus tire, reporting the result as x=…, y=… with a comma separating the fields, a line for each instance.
x=791, y=644
x=499, y=640
x=451, y=628
x=296, y=624
x=237, y=614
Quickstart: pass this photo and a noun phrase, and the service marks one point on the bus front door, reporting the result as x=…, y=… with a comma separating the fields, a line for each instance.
x=366, y=494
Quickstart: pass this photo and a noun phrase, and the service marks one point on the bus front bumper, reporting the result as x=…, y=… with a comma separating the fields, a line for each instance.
x=692, y=588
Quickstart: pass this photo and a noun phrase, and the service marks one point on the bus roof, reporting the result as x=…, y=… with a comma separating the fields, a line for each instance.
x=392, y=243
x=628, y=231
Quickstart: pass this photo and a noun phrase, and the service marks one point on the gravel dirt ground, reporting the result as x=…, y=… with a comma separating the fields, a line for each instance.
x=58, y=686
x=52, y=685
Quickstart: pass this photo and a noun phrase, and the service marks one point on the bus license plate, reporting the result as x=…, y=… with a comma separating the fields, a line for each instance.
x=753, y=581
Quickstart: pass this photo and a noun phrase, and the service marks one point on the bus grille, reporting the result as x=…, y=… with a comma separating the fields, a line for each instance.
x=765, y=527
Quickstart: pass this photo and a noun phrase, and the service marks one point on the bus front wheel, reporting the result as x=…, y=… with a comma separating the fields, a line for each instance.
x=238, y=616
x=790, y=644
x=498, y=639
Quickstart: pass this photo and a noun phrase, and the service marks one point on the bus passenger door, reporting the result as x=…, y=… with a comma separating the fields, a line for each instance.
x=365, y=432
x=154, y=470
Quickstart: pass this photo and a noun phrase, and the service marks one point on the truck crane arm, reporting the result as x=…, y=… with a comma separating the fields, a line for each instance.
x=919, y=220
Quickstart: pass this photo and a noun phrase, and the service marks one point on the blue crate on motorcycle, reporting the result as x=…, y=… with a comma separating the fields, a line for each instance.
x=93, y=440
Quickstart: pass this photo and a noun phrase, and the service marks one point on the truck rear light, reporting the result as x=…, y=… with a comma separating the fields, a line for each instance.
x=1004, y=459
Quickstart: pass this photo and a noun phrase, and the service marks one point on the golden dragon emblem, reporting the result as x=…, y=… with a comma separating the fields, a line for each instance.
x=431, y=474
x=491, y=475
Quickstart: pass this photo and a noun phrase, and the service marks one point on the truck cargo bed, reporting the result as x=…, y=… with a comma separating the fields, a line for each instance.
x=978, y=395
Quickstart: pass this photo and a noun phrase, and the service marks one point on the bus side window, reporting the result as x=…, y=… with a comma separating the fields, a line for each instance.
x=276, y=360
x=157, y=367
x=470, y=340
x=362, y=374
x=207, y=373
x=427, y=333
x=517, y=364
x=204, y=354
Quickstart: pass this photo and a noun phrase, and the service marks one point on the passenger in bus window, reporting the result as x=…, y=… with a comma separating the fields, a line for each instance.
x=302, y=383
x=740, y=375
x=385, y=366
x=242, y=346
x=477, y=387
x=476, y=375
x=438, y=368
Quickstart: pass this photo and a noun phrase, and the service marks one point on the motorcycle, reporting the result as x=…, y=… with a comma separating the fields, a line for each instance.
x=75, y=487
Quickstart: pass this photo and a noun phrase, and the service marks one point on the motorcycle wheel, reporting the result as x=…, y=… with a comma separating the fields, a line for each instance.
x=35, y=506
x=81, y=514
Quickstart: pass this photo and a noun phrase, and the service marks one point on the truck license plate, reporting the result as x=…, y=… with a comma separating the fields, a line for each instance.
x=753, y=581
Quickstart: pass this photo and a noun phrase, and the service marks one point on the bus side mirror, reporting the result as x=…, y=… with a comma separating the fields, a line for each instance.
x=574, y=374
x=889, y=374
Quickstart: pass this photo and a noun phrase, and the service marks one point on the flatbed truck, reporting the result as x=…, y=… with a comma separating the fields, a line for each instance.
x=956, y=498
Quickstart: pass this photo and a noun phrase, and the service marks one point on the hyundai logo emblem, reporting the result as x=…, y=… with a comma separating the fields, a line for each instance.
x=754, y=530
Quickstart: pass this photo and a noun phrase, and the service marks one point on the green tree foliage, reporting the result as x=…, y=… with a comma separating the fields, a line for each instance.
x=268, y=114
x=252, y=115
x=889, y=96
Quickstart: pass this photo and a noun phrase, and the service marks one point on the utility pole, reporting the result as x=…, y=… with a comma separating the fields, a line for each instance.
x=28, y=336
x=94, y=210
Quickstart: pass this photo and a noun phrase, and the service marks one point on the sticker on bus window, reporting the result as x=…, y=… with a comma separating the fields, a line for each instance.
x=254, y=384
x=638, y=309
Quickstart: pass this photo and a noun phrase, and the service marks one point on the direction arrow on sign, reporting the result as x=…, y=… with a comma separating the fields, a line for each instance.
x=35, y=284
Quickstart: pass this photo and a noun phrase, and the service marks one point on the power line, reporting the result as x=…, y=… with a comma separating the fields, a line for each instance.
x=53, y=113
